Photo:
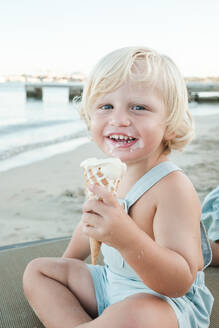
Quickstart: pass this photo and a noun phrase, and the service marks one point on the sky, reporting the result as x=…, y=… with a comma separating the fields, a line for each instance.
x=64, y=36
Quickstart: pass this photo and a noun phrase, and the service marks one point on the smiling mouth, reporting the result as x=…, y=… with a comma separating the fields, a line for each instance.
x=122, y=140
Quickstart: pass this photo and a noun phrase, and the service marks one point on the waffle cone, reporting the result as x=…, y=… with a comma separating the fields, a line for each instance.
x=96, y=176
x=95, y=246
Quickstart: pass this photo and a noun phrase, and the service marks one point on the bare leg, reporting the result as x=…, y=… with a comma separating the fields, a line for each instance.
x=60, y=291
x=138, y=311
x=215, y=253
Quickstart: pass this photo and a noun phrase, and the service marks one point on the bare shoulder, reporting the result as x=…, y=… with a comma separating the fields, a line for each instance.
x=177, y=188
x=177, y=201
x=171, y=201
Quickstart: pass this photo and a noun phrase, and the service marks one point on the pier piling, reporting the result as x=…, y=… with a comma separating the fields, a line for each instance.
x=34, y=92
x=75, y=91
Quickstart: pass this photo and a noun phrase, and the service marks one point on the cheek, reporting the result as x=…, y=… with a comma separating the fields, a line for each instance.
x=93, y=132
x=154, y=127
x=96, y=131
x=152, y=133
x=95, y=121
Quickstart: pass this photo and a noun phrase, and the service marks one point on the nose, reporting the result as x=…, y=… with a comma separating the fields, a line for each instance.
x=119, y=118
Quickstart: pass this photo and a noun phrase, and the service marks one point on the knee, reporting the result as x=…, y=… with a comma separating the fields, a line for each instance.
x=58, y=269
x=33, y=269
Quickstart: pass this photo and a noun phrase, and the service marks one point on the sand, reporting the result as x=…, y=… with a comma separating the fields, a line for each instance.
x=43, y=200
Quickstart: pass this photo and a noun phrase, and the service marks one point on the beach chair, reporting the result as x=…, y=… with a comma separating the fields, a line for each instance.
x=15, y=311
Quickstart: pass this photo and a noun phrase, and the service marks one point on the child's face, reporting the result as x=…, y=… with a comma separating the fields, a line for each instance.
x=129, y=123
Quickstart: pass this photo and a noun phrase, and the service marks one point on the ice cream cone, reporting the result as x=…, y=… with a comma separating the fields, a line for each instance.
x=95, y=246
x=106, y=173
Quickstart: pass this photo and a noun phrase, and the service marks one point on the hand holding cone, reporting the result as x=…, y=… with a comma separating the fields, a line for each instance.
x=106, y=173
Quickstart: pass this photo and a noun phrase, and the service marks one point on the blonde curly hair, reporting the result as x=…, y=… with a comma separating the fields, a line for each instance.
x=158, y=71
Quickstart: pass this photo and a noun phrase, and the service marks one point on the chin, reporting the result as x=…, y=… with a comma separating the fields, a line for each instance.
x=123, y=156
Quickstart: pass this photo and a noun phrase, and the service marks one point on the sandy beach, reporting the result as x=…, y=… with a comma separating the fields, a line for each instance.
x=43, y=200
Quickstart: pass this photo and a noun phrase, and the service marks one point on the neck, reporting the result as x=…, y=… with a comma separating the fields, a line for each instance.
x=135, y=171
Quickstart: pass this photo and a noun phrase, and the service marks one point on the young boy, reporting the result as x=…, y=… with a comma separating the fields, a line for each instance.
x=154, y=247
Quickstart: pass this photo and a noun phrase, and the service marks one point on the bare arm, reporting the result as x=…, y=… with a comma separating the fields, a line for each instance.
x=78, y=247
x=169, y=263
x=161, y=269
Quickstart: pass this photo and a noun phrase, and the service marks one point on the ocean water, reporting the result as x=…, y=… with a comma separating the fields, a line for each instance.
x=34, y=130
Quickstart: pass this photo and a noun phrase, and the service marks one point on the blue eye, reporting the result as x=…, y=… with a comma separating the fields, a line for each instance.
x=107, y=107
x=138, y=107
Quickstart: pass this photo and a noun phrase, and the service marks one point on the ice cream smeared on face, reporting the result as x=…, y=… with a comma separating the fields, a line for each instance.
x=139, y=144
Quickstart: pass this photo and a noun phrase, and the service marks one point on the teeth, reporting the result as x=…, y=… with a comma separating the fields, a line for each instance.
x=120, y=137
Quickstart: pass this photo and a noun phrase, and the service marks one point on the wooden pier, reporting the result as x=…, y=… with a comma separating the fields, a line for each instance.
x=35, y=90
x=196, y=90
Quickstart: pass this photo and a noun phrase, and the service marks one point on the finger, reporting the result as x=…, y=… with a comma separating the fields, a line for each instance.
x=91, y=232
x=103, y=194
x=91, y=226
x=92, y=206
x=97, y=207
x=91, y=220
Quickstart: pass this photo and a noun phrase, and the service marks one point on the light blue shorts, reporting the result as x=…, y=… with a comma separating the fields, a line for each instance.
x=192, y=310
